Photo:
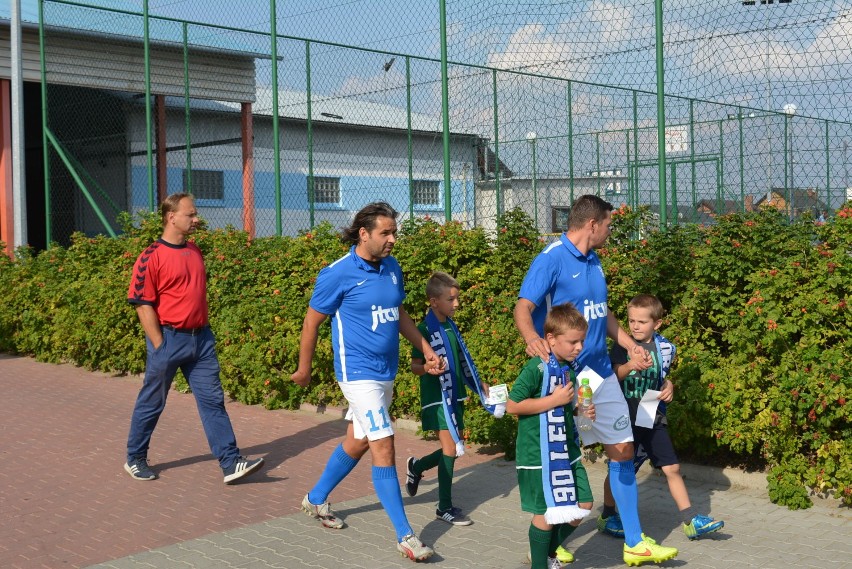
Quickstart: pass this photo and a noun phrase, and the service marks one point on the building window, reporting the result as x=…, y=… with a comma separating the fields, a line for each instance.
x=326, y=190
x=560, y=219
x=206, y=184
x=426, y=192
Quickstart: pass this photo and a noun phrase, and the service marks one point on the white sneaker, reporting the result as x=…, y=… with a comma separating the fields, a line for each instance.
x=323, y=513
x=413, y=548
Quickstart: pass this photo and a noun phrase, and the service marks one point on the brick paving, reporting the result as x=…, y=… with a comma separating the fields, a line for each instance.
x=65, y=500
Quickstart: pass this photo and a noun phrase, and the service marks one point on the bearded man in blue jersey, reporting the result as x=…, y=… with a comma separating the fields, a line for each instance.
x=569, y=270
x=363, y=293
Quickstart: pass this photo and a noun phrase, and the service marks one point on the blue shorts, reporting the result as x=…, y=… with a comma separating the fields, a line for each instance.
x=654, y=444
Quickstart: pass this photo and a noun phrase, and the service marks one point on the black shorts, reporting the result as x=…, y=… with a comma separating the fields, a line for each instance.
x=654, y=444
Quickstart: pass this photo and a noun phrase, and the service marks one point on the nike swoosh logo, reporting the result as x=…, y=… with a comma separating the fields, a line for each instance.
x=575, y=276
x=362, y=282
x=646, y=553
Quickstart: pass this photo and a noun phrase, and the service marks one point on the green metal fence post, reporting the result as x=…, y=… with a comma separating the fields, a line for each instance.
x=674, y=192
x=661, y=110
x=310, y=128
x=445, y=112
x=720, y=190
x=827, y=171
x=409, y=136
x=598, y=161
x=570, y=142
x=44, y=145
x=276, y=142
x=186, y=114
x=742, y=161
x=149, y=152
x=694, y=209
x=497, y=170
x=635, y=149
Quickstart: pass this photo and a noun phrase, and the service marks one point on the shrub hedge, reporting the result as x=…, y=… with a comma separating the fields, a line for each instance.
x=759, y=308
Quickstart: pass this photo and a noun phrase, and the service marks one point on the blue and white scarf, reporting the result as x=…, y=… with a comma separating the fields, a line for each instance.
x=557, y=477
x=666, y=351
x=440, y=343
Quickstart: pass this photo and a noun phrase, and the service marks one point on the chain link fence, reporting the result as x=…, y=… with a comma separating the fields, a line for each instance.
x=342, y=105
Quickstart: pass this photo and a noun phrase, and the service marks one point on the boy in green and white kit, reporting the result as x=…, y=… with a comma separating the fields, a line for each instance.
x=537, y=404
x=442, y=397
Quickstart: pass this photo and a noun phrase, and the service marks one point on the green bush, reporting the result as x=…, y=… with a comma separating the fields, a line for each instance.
x=758, y=307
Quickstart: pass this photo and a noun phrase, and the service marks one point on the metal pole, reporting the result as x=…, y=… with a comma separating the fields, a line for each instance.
x=499, y=189
x=635, y=150
x=149, y=153
x=692, y=157
x=534, y=185
x=827, y=172
x=276, y=144
x=19, y=196
x=661, y=111
x=410, y=138
x=44, y=145
x=310, y=127
x=787, y=165
x=186, y=113
x=742, y=159
x=445, y=111
x=570, y=143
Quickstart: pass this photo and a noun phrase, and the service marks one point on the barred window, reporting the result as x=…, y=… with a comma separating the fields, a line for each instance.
x=206, y=184
x=426, y=192
x=326, y=190
x=559, y=218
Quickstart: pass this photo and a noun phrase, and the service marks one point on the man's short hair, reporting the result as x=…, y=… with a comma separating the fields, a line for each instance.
x=438, y=283
x=564, y=317
x=171, y=205
x=585, y=208
x=650, y=302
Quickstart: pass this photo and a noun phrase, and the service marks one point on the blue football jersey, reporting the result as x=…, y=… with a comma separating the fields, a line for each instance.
x=560, y=274
x=364, y=305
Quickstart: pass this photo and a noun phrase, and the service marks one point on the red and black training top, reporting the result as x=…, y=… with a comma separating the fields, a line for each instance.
x=173, y=280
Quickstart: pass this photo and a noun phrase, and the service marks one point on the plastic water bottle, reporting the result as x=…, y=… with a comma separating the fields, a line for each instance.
x=584, y=401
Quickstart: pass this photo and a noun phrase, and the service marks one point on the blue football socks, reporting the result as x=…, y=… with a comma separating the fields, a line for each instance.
x=386, y=483
x=622, y=481
x=338, y=466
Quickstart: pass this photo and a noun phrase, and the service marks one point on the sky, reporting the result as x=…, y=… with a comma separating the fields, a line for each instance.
x=762, y=56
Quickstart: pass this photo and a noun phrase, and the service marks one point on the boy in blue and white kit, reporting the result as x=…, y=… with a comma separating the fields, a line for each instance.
x=363, y=293
x=569, y=270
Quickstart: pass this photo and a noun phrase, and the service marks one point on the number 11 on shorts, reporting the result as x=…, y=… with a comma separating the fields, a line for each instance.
x=384, y=416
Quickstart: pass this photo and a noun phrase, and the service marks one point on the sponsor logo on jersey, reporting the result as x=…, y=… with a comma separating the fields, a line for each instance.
x=593, y=311
x=384, y=315
x=393, y=277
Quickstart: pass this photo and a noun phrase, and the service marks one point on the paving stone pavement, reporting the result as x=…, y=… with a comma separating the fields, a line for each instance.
x=66, y=502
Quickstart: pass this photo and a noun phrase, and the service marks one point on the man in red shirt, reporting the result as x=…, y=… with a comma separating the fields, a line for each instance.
x=169, y=291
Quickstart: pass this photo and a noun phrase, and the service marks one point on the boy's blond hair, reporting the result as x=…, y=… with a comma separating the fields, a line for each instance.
x=564, y=317
x=438, y=283
x=649, y=301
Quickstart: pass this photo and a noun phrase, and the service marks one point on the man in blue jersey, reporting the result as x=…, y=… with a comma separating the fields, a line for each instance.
x=363, y=293
x=569, y=270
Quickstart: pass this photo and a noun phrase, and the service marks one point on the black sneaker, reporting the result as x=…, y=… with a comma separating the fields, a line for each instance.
x=138, y=469
x=453, y=516
x=241, y=467
x=412, y=480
